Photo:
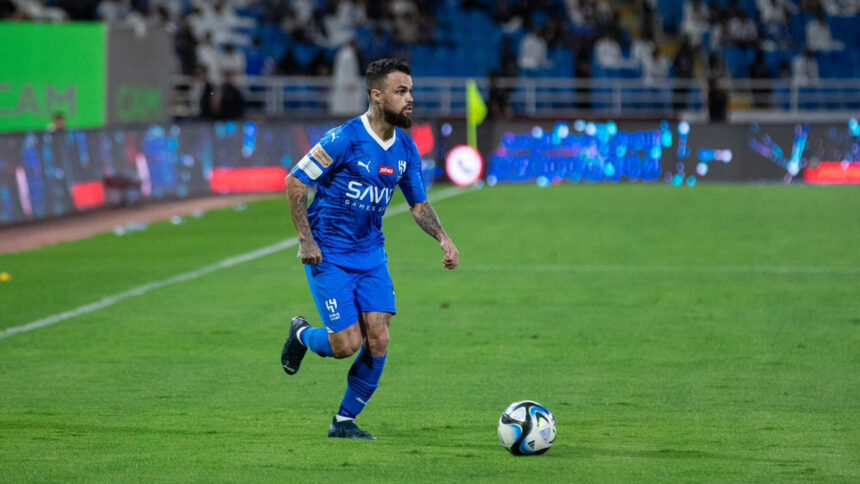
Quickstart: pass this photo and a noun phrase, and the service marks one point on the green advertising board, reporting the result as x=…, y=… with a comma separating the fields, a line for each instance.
x=47, y=69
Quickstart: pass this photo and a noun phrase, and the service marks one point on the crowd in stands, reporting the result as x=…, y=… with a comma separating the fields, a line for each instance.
x=650, y=39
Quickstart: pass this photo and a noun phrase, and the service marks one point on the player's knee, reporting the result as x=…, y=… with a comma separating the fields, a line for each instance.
x=378, y=344
x=345, y=347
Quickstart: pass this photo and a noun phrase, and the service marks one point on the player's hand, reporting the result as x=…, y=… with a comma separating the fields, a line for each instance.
x=310, y=252
x=452, y=255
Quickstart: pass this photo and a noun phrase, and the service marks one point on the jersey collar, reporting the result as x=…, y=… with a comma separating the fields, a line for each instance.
x=383, y=144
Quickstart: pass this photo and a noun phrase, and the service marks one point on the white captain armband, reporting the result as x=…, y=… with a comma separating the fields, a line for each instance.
x=309, y=167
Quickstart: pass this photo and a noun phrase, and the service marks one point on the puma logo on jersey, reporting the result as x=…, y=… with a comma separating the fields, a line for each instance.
x=365, y=165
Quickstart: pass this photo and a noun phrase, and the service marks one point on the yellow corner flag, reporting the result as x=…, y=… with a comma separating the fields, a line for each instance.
x=476, y=111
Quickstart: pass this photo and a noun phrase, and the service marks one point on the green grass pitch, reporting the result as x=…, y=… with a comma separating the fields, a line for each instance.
x=704, y=334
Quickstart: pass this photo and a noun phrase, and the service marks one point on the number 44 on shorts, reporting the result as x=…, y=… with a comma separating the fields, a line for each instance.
x=331, y=305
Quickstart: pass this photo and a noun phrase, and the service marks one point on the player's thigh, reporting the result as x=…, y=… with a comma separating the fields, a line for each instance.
x=333, y=290
x=375, y=291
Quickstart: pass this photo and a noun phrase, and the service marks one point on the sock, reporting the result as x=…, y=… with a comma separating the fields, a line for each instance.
x=362, y=381
x=316, y=340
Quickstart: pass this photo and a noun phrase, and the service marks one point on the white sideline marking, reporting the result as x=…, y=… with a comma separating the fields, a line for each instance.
x=224, y=264
x=642, y=269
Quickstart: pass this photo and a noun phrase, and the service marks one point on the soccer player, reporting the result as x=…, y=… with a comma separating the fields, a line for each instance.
x=355, y=168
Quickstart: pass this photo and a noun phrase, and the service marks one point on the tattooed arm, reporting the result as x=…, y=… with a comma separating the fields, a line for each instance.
x=297, y=196
x=427, y=219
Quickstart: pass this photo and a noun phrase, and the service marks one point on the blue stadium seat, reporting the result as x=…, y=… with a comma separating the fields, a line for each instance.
x=738, y=61
x=562, y=60
x=672, y=12
x=797, y=26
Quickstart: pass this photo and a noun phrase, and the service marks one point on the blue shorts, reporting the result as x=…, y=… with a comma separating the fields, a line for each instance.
x=347, y=284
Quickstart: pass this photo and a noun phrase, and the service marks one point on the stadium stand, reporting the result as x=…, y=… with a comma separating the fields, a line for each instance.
x=633, y=43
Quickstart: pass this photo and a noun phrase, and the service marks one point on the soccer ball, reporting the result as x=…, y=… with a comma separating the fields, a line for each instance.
x=527, y=428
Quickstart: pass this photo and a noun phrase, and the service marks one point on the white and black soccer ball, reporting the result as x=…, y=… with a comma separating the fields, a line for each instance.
x=527, y=428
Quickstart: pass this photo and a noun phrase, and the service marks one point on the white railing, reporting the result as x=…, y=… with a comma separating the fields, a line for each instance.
x=548, y=97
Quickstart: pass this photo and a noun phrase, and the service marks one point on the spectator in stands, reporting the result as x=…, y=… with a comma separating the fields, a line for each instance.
x=761, y=76
x=257, y=63
x=231, y=102
x=533, y=51
x=742, y=31
x=648, y=14
x=841, y=8
x=348, y=96
x=509, y=61
x=818, y=35
x=35, y=10
x=774, y=33
x=685, y=60
x=804, y=69
x=498, y=103
x=643, y=49
x=718, y=101
x=113, y=11
x=209, y=57
x=340, y=25
x=185, y=45
x=719, y=39
x=206, y=94
x=199, y=21
x=223, y=24
x=608, y=53
x=731, y=10
x=232, y=60
x=655, y=69
x=58, y=122
x=406, y=20
x=683, y=65
x=695, y=21
x=778, y=11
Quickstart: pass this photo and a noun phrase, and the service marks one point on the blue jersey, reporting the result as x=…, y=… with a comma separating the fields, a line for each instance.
x=355, y=173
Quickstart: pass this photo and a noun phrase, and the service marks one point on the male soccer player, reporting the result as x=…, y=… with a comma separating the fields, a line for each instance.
x=355, y=168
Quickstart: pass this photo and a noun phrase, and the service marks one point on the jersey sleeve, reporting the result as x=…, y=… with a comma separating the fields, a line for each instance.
x=324, y=156
x=412, y=182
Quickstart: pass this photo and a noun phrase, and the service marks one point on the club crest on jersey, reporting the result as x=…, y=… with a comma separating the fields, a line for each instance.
x=386, y=170
x=402, y=166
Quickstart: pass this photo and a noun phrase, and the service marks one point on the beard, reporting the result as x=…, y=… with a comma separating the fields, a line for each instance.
x=399, y=119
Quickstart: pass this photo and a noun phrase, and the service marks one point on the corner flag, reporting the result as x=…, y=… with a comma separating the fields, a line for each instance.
x=476, y=111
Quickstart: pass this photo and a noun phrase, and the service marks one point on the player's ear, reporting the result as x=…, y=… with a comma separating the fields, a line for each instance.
x=375, y=95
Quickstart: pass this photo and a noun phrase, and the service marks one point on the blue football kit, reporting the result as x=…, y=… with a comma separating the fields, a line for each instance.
x=355, y=174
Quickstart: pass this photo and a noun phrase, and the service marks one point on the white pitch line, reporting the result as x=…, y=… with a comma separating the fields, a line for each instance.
x=188, y=276
x=643, y=269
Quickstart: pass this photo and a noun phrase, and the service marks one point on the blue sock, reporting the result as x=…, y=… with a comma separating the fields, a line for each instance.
x=361, y=383
x=316, y=340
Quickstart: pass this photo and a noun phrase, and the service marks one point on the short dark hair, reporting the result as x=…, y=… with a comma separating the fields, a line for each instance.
x=379, y=69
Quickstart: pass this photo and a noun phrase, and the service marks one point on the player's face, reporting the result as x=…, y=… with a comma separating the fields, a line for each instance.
x=397, y=99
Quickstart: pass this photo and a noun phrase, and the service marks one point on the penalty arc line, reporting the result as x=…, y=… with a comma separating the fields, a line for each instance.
x=188, y=276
